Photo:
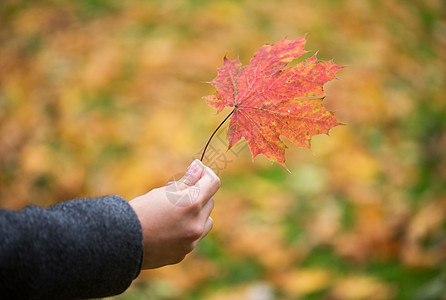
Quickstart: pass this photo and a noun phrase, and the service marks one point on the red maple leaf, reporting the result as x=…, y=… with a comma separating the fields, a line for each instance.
x=271, y=99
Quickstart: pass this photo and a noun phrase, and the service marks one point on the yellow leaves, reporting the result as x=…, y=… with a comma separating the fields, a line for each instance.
x=426, y=225
x=304, y=281
x=96, y=103
x=157, y=52
x=254, y=291
x=36, y=159
x=102, y=66
x=262, y=244
x=301, y=282
x=326, y=224
x=427, y=220
x=32, y=20
x=355, y=165
x=186, y=276
x=362, y=288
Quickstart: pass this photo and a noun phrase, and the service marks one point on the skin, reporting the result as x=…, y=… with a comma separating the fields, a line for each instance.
x=174, y=218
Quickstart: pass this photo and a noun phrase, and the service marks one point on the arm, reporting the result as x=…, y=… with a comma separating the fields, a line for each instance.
x=76, y=249
x=95, y=247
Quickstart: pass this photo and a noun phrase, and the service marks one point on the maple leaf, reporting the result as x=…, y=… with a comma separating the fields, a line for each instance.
x=271, y=98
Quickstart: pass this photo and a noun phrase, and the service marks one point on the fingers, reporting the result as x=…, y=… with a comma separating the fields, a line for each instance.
x=208, y=184
x=209, y=222
x=207, y=227
x=193, y=174
x=201, y=179
x=207, y=208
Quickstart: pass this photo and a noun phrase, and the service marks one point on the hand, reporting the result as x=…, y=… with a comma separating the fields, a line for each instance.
x=176, y=217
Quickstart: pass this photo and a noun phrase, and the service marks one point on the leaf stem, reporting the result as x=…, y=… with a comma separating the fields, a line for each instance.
x=215, y=131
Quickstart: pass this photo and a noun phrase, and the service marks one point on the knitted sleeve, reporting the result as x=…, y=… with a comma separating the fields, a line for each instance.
x=86, y=248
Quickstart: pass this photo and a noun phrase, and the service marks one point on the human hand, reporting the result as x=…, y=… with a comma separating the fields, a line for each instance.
x=176, y=217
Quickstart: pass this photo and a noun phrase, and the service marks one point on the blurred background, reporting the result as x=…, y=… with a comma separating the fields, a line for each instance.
x=104, y=97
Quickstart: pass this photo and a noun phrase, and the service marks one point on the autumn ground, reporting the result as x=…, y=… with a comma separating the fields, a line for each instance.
x=104, y=97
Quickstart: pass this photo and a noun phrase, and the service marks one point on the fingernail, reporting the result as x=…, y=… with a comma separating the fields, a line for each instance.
x=194, y=167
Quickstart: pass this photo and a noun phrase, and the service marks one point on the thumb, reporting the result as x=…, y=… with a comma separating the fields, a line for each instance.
x=193, y=174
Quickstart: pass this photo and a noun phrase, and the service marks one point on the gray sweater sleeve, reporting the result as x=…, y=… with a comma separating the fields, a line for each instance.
x=86, y=248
